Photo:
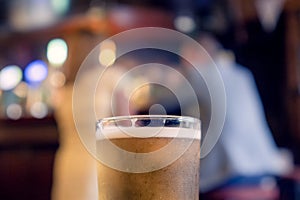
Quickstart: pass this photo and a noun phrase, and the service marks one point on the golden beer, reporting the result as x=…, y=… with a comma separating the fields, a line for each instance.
x=175, y=179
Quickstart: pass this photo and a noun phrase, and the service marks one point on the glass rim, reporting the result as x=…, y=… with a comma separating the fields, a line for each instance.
x=130, y=117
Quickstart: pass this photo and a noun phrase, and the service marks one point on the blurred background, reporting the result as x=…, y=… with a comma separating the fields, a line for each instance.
x=43, y=43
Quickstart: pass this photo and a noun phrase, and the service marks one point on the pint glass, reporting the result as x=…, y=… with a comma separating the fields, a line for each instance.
x=147, y=157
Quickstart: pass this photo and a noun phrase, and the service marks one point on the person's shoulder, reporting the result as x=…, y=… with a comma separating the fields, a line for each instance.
x=242, y=70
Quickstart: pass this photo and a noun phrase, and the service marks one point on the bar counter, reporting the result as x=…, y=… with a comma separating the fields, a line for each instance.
x=27, y=152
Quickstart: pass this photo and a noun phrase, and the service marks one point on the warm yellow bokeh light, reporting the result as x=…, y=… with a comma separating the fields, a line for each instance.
x=108, y=44
x=21, y=90
x=57, y=79
x=107, y=57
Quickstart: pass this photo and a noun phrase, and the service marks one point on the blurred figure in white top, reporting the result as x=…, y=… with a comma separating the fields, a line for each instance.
x=245, y=153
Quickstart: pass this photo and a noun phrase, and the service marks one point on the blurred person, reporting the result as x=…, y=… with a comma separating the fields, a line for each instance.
x=75, y=171
x=245, y=153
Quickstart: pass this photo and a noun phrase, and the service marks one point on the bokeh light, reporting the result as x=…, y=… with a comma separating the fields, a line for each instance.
x=14, y=111
x=108, y=44
x=36, y=72
x=39, y=110
x=185, y=24
x=60, y=6
x=57, y=79
x=25, y=15
x=57, y=52
x=21, y=90
x=10, y=77
x=107, y=55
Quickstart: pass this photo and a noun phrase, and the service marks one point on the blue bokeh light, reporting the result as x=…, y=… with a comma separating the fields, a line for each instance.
x=36, y=72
